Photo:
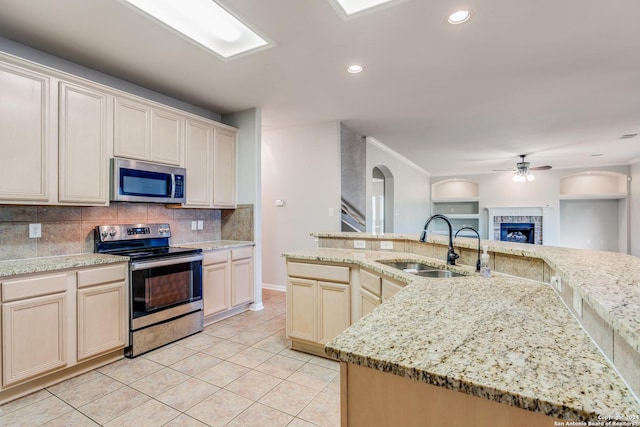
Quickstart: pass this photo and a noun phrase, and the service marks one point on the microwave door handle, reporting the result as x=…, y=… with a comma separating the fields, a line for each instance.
x=173, y=185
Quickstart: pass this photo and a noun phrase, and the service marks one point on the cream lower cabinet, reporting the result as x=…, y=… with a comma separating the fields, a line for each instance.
x=35, y=313
x=318, y=304
x=390, y=288
x=370, y=292
x=242, y=289
x=227, y=282
x=55, y=325
x=102, y=310
x=216, y=282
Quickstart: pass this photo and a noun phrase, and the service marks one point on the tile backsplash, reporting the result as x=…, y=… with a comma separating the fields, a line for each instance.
x=69, y=229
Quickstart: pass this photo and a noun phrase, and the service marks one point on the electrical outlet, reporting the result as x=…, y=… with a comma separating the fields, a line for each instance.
x=359, y=244
x=35, y=231
x=577, y=303
x=557, y=282
x=200, y=225
x=386, y=245
x=194, y=225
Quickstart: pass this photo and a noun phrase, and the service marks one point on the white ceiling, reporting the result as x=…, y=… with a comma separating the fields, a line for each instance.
x=556, y=79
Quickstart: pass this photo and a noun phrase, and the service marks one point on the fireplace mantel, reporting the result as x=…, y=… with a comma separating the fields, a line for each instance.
x=516, y=211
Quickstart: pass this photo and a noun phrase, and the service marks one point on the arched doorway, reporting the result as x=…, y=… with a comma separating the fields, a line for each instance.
x=381, y=200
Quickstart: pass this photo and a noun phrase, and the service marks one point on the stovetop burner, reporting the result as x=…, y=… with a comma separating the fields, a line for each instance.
x=137, y=241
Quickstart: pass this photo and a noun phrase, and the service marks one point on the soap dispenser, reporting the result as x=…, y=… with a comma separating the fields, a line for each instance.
x=485, y=270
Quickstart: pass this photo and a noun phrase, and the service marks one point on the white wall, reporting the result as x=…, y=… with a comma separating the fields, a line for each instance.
x=412, y=188
x=634, y=210
x=583, y=226
x=248, y=179
x=497, y=189
x=300, y=165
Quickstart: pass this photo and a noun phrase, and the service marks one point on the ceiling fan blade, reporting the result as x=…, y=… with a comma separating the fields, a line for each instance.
x=504, y=170
x=540, y=168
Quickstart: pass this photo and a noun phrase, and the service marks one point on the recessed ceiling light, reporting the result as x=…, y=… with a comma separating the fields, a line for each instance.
x=204, y=22
x=351, y=7
x=459, y=17
x=354, y=69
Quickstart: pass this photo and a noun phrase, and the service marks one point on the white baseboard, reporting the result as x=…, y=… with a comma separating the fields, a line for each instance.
x=280, y=288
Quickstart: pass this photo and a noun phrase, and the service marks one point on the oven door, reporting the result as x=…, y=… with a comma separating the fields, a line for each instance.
x=165, y=284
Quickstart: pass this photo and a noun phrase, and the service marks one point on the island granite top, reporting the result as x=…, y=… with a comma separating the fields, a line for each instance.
x=506, y=339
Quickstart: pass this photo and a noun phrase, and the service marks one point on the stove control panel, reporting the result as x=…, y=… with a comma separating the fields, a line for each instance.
x=112, y=233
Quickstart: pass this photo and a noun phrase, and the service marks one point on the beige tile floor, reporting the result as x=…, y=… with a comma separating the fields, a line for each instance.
x=238, y=372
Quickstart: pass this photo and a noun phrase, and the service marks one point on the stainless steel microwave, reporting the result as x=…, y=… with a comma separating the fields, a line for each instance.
x=136, y=181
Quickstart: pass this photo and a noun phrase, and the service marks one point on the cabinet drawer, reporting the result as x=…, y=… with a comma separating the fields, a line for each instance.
x=30, y=287
x=241, y=253
x=370, y=282
x=96, y=276
x=332, y=273
x=215, y=257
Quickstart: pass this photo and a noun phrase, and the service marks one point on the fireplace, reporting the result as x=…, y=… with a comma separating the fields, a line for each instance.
x=520, y=232
x=524, y=224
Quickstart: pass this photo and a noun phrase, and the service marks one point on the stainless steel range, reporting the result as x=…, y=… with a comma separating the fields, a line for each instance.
x=165, y=283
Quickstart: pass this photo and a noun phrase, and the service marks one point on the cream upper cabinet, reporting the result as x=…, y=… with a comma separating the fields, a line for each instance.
x=82, y=132
x=145, y=132
x=224, y=168
x=26, y=140
x=166, y=137
x=132, y=129
x=198, y=161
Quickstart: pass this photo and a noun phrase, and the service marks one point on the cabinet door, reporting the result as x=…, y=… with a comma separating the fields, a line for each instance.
x=33, y=337
x=82, y=145
x=199, y=163
x=390, y=288
x=368, y=302
x=333, y=310
x=131, y=129
x=224, y=168
x=101, y=319
x=216, y=288
x=166, y=137
x=302, y=316
x=25, y=135
x=242, y=288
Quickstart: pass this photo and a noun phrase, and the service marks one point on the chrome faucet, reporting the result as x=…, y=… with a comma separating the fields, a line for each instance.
x=477, y=234
x=451, y=255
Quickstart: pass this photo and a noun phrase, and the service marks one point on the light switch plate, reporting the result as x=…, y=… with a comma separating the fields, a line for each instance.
x=359, y=244
x=200, y=225
x=577, y=303
x=194, y=225
x=35, y=231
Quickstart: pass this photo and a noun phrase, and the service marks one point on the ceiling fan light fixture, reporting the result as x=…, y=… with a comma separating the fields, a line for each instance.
x=530, y=177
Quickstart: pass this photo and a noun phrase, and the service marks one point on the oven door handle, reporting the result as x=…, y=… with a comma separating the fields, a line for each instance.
x=141, y=265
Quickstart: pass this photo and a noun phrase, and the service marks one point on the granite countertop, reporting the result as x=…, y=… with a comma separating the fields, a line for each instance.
x=608, y=281
x=42, y=265
x=506, y=339
x=216, y=244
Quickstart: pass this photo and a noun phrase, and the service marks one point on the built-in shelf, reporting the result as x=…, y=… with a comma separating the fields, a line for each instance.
x=458, y=200
x=594, y=185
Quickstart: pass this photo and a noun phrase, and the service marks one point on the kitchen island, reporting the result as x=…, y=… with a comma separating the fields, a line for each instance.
x=504, y=341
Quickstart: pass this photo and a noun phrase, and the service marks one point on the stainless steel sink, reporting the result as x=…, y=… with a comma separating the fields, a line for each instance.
x=420, y=269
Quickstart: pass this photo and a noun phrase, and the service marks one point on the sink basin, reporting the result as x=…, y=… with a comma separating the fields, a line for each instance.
x=420, y=269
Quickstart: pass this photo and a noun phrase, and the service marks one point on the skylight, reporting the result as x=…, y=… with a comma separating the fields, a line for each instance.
x=351, y=7
x=204, y=22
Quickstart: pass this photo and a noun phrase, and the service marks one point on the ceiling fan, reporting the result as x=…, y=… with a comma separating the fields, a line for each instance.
x=522, y=171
